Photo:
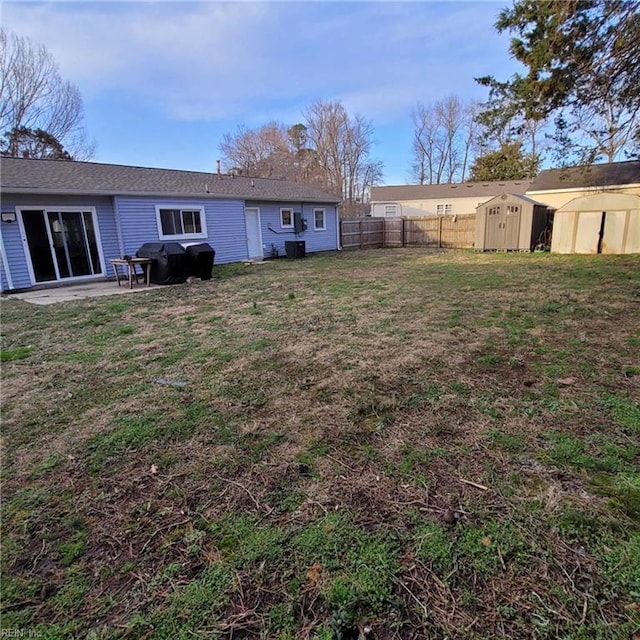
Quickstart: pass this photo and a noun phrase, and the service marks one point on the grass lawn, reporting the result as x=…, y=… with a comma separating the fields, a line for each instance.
x=384, y=444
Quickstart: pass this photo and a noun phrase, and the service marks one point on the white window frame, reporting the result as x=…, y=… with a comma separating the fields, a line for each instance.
x=324, y=219
x=444, y=209
x=282, y=224
x=182, y=208
x=390, y=210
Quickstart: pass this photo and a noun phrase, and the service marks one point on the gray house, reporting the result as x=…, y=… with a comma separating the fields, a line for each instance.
x=62, y=221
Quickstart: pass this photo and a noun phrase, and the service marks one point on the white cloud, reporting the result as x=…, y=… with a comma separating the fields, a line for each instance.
x=207, y=61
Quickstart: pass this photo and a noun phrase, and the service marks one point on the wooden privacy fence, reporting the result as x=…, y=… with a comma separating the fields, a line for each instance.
x=441, y=231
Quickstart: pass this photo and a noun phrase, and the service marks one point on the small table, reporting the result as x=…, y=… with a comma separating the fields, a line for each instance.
x=130, y=271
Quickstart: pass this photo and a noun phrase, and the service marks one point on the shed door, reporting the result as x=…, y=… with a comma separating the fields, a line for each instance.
x=511, y=226
x=254, y=233
x=494, y=234
x=613, y=237
x=587, y=233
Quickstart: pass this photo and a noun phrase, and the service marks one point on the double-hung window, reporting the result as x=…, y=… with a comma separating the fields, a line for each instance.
x=286, y=218
x=181, y=223
x=390, y=210
x=444, y=209
x=319, y=223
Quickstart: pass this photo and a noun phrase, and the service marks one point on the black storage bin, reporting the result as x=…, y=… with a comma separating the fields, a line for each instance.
x=201, y=258
x=169, y=264
x=295, y=248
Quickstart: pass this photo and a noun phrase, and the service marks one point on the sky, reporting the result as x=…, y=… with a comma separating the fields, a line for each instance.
x=162, y=82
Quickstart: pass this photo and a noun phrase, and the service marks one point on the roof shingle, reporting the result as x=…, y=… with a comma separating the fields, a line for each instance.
x=594, y=175
x=29, y=175
x=395, y=193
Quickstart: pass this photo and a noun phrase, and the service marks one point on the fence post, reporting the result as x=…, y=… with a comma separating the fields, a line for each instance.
x=360, y=228
x=440, y=232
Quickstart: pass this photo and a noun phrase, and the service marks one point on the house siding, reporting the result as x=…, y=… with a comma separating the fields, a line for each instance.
x=425, y=208
x=274, y=237
x=561, y=197
x=15, y=243
x=226, y=231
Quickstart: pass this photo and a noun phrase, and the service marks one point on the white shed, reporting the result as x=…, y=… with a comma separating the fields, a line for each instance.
x=598, y=223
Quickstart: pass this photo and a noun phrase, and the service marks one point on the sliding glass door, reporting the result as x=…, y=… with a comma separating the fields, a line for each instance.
x=62, y=243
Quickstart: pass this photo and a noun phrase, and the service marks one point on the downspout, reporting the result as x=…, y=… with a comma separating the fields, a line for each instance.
x=116, y=213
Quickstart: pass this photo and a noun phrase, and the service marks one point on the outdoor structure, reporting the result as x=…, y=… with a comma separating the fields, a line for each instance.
x=423, y=200
x=63, y=221
x=510, y=222
x=557, y=187
x=598, y=223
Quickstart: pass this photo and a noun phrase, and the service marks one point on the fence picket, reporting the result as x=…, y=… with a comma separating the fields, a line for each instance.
x=441, y=231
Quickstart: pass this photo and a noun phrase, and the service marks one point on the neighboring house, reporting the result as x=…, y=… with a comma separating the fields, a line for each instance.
x=62, y=221
x=557, y=187
x=418, y=201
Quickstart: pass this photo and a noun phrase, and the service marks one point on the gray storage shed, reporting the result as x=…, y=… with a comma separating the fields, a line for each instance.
x=511, y=222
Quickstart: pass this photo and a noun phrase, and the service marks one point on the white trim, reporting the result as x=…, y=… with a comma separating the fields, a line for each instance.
x=182, y=207
x=60, y=209
x=286, y=226
x=257, y=210
x=324, y=219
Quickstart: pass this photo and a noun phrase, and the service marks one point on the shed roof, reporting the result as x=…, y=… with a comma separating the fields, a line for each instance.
x=28, y=175
x=514, y=196
x=394, y=193
x=602, y=202
x=592, y=175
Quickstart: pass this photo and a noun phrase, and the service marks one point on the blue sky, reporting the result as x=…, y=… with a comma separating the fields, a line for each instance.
x=163, y=81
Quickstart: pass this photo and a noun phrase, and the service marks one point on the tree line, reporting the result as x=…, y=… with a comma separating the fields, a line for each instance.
x=578, y=101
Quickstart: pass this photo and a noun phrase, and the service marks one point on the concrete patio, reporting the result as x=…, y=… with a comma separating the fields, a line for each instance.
x=78, y=292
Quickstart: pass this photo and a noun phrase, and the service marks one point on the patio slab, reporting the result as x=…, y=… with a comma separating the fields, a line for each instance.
x=78, y=292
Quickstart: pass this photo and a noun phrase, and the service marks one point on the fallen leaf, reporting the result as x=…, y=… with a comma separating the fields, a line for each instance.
x=567, y=381
x=486, y=541
x=154, y=469
x=314, y=573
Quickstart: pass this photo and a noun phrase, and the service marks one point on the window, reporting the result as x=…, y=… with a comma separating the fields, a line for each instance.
x=389, y=210
x=444, y=209
x=286, y=218
x=175, y=222
x=318, y=220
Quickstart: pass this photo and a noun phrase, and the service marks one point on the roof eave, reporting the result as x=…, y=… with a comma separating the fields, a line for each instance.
x=157, y=194
x=632, y=185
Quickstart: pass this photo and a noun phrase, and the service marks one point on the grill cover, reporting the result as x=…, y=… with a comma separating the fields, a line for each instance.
x=201, y=258
x=169, y=264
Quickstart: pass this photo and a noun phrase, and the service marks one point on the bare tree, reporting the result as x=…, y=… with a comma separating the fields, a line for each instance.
x=331, y=150
x=34, y=96
x=443, y=142
x=342, y=145
x=256, y=152
x=272, y=151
